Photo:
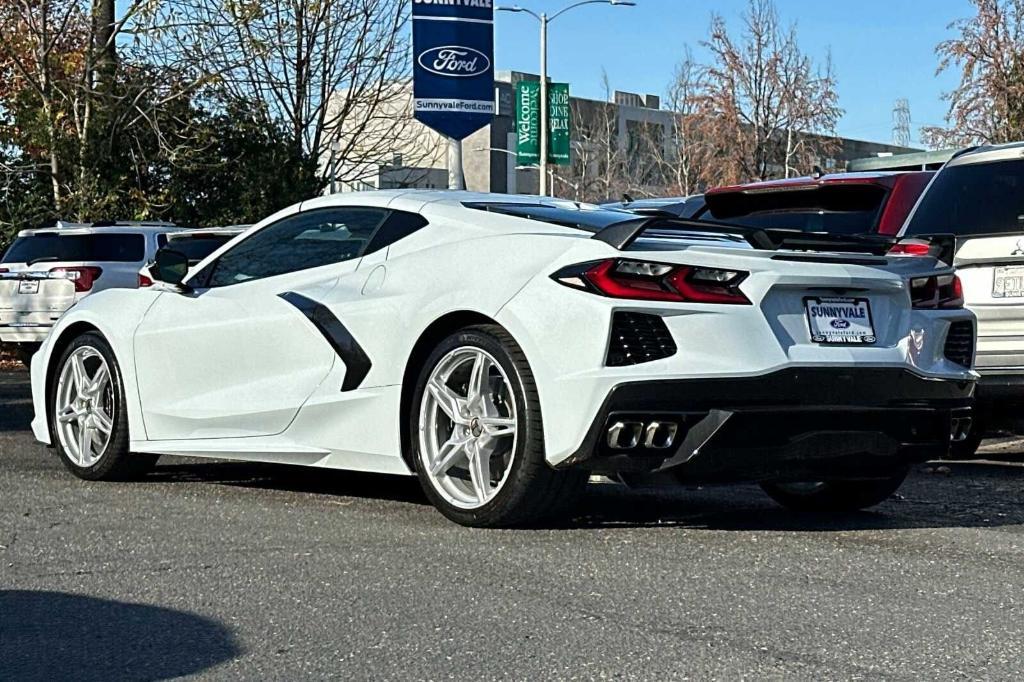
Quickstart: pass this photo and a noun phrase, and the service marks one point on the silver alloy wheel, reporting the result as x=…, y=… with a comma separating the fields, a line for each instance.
x=84, y=406
x=467, y=427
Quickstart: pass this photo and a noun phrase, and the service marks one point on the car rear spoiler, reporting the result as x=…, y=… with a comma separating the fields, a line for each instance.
x=622, y=235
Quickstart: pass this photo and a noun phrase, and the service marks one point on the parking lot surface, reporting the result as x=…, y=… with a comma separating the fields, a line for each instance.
x=226, y=570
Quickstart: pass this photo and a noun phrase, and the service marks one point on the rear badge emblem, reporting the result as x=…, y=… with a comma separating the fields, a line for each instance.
x=1019, y=251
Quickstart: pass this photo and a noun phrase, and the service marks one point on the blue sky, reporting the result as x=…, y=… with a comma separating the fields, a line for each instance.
x=882, y=49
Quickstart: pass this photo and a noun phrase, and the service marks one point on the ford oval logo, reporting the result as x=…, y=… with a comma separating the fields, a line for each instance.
x=455, y=61
x=840, y=324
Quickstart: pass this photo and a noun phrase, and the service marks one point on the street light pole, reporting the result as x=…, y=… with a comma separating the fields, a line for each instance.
x=543, y=105
x=544, y=21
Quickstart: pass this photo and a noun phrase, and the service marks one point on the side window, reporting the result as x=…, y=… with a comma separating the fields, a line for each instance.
x=299, y=242
x=398, y=226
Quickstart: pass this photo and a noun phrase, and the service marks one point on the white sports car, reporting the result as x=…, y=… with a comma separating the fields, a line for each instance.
x=504, y=348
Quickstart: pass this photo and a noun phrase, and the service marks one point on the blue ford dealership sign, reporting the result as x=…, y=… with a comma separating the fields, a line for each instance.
x=453, y=64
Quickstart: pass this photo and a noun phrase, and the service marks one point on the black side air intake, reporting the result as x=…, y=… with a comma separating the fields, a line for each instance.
x=637, y=338
x=960, y=343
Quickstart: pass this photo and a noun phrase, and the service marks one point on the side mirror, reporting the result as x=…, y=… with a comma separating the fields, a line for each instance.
x=171, y=266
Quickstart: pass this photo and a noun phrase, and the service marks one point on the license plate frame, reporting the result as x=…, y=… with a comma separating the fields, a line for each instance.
x=1001, y=274
x=28, y=286
x=859, y=330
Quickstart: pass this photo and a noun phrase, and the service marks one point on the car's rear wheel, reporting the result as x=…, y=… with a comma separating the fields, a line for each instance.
x=834, y=496
x=477, y=437
x=89, y=424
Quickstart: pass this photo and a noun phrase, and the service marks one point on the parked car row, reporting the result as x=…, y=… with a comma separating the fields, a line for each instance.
x=808, y=334
x=505, y=348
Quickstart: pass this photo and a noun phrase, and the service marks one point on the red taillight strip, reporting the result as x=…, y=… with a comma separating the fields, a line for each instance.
x=654, y=282
x=602, y=277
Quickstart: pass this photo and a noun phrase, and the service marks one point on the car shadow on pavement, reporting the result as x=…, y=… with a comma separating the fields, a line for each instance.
x=952, y=495
x=61, y=636
x=966, y=495
x=15, y=401
x=296, y=479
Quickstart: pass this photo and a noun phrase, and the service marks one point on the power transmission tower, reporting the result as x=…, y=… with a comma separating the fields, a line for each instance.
x=901, y=123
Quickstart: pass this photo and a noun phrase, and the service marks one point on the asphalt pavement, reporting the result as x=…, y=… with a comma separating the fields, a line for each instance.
x=228, y=570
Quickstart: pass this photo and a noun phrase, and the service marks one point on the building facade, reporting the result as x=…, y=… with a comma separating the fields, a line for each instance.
x=420, y=159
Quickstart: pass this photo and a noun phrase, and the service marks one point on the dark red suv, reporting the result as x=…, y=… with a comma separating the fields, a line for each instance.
x=840, y=203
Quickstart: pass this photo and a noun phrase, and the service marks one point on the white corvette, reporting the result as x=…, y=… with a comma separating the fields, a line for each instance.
x=504, y=348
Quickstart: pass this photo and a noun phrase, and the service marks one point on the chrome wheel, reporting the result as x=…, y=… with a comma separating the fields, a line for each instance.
x=467, y=427
x=84, y=406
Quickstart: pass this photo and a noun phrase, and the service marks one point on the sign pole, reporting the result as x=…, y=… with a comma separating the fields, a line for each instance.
x=456, y=178
x=543, y=105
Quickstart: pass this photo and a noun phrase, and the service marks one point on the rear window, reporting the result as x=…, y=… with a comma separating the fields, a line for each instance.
x=199, y=247
x=837, y=209
x=48, y=246
x=565, y=213
x=973, y=199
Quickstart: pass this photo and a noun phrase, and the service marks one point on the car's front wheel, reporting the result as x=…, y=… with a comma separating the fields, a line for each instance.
x=834, y=496
x=89, y=424
x=477, y=434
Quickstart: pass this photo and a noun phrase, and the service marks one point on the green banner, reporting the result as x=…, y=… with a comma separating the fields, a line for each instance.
x=528, y=123
x=558, y=124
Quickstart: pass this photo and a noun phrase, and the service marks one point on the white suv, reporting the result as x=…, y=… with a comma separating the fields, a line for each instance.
x=978, y=196
x=45, y=271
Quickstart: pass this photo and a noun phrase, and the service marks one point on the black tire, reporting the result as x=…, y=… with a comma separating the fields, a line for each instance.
x=533, y=491
x=116, y=462
x=835, y=496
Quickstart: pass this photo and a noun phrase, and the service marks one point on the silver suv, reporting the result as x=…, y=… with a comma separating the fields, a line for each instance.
x=979, y=197
x=45, y=271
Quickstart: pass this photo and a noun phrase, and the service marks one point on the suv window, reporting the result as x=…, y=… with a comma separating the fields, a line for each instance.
x=838, y=209
x=972, y=199
x=50, y=246
x=307, y=240
x=197, y=247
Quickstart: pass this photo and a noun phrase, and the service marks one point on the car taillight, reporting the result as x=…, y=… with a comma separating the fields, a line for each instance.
x=631, y=279
x=941, y=291
x=145, y=281
x=911, y=248
x=4, y=270
x=82, y=277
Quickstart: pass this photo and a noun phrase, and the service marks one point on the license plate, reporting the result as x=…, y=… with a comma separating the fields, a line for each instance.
x=840, y=320
x=28, y=286
x=1008, y=282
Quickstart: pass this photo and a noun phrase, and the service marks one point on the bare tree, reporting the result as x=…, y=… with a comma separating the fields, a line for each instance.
x=775, y=109
x=62, y=53
x=322, y=67
x=687, y=164
x=988, y=104
x=598, y=169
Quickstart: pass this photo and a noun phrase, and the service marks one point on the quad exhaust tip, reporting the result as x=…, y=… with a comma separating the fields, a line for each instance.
x=655, y=435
